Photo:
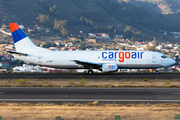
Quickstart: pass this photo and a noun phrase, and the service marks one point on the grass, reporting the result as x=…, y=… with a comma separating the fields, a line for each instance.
x=20, y=81
x=45, y=82
x=88, y=111
x=167, y=82
x=83, y=81
x=132, y=83
x=71, y=82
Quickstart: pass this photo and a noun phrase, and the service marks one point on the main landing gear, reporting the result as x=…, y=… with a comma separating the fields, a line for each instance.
x=90, y=72
x=156, y=72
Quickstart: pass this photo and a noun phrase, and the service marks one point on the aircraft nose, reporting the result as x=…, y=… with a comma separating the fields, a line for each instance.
x=172, y=62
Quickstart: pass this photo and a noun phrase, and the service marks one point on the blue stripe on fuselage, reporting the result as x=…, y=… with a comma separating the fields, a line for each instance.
x=18, y=35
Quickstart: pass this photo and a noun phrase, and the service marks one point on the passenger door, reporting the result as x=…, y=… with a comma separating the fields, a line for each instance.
x=163, y=61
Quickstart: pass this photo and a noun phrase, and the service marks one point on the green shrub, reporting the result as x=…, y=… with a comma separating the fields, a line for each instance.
x=151, y=81
x=45, y=82
x=20, y=81
x=133, y=82
x=167, y=82
x=145, y=79
x=83, y=81
x=71, y=82
x=106, y=78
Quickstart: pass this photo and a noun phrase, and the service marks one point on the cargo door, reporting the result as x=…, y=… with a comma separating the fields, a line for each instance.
x=154, y=58
x=40, y=58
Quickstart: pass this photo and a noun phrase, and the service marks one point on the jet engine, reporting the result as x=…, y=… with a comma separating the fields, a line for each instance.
x=109, y=68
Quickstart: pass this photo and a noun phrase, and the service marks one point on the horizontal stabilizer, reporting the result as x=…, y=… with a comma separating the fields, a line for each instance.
x=14, y=52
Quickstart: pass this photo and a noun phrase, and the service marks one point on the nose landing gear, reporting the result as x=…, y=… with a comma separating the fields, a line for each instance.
x=90, y=72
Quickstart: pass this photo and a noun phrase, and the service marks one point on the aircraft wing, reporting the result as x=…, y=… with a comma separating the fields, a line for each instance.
x=87, y=64
x=19, y=53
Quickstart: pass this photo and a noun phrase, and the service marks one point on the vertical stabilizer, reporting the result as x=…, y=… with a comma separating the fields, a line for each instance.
x=21, y=40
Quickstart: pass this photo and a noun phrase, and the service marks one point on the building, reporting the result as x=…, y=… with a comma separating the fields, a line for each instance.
x=169, y=45
x=21, y=26
x=105, y=36
x=159, y=47
x=9, y=47
x=4, y=64
x=90, y=40
x=27, y=68
x=118, y=36
x=140, y=48
x=99, y=35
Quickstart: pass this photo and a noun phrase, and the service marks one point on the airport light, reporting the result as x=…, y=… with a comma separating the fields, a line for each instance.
x=58, y=117
x=177, y=117
x=117, y=117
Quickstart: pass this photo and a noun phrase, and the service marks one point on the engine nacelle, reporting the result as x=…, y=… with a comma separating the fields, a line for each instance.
x=109, y=67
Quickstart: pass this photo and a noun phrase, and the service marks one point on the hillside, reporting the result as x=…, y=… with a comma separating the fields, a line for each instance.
x=146, y=18
x=157, y=6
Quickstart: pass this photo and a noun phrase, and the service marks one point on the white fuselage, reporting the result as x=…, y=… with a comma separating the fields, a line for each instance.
x=124, y=59
x=106, y=61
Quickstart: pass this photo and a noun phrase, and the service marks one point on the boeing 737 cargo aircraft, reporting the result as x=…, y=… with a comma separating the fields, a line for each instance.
x=105, y=61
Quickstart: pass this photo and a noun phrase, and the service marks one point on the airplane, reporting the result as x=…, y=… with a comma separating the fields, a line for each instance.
x=105, y=61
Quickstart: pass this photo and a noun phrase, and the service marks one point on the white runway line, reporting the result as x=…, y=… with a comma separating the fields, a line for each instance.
x=87, y=100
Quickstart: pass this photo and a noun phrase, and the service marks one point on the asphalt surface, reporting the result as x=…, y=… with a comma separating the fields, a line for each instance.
x=122, y=95
x=95, y=76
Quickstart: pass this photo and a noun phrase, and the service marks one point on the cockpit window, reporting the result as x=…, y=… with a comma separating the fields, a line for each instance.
x=164, y=56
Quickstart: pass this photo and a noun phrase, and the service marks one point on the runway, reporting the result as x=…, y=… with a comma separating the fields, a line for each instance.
x=121, y=95
x=95, y=76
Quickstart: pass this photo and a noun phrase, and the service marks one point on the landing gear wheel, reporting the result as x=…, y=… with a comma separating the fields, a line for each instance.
x=90, y=72
x=156, y=72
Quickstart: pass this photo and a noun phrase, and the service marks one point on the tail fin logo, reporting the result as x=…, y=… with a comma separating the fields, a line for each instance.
x=13, y=27
x=17, y=33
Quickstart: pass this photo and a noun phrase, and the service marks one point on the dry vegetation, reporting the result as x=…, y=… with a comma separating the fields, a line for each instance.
x=89, y=83
x=90, y=111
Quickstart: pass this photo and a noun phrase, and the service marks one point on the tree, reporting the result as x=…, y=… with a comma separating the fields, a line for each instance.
x=81, y=19
x=46, y=44
x=43, y=18
x=109, y=27
x=91, y=22
x=51, y=9
x=132, y=38
x=64, y=32
x=54, y=7
x=152, y=48
x=122, y=48
x=3, y=26
x=59, y=25
x=172, y=45
x=128, y=28
x=178, y=11
x=86, y=21
x=128, y=32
